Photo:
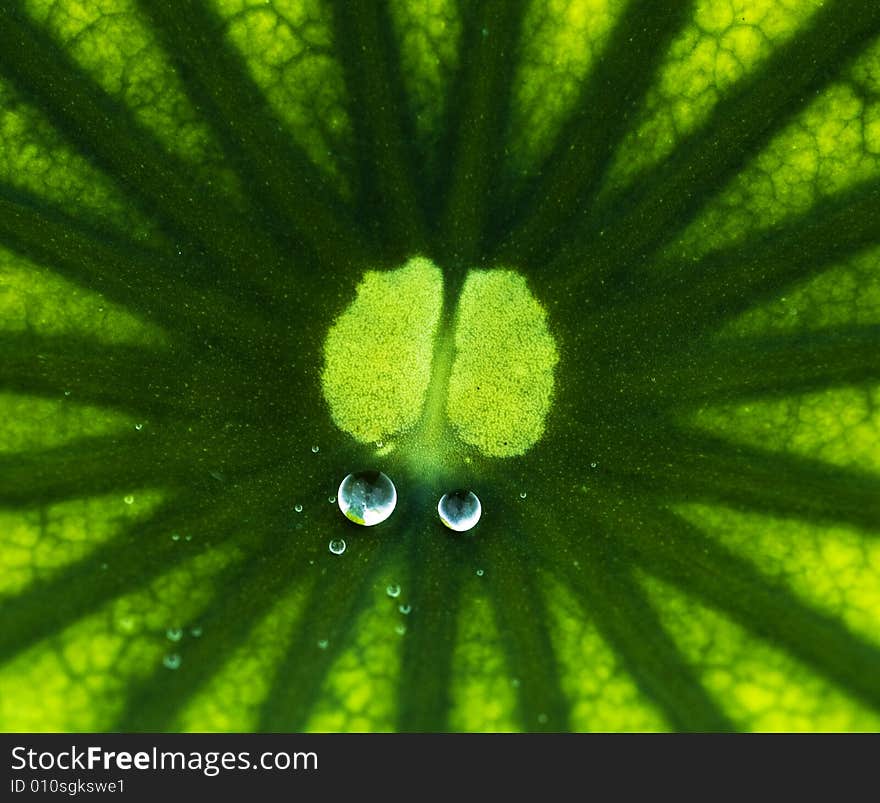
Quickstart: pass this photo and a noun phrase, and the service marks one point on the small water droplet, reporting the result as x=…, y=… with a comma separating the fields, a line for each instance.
x=126, y=624
x=337, y=546
x=187, y=537
x=404, y=608
x=174, y=634
x=380, y=444
x=392, y=591
x=593, y=465
x=522, y=494
x=514, y=682
x=196, y=632
x=400, y=629
x=316, y=449
x=175, y=536
x=138, y=427
x=128, y=499
x=460, y=510
x=105, y=566
x=479, y=572
x=323, y=644
x=171, y=661
x=66, y=392
x=331, y=500
x=542, y=719
x=298, y=508
x=367, y=497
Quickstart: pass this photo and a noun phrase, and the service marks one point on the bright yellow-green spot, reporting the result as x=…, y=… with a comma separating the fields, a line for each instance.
x=36, y=544
x=377, y=356
x=79, y=679
x=727, y=40
x=359, y=691
x=561, y=41
x=483, y=690
x=840, y=426
x=759, y=686
x=501, y=385
x=602, y=696
x=834, y=569
x=226, y=704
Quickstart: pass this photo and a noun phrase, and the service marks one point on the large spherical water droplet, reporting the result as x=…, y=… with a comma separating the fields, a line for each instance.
x=367, y=497
x=460, y=510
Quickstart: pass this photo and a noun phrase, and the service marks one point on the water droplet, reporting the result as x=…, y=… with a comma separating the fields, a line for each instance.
x=105, y=566
x=171, y=661
x=138, y=427
x=542, y=718
x=175, y=536
x=298, y=508
x=331, y=500
x=337, y=546
x=66, y=392
x=323, y=644
x=126, y=624
x=404, y=608
x=174, y=634
x=514, y=682
x=392, y=591
x=380, y=444
x=479, y=572
x=400, y=629
x=367, y=497
x=187, y=537
x=196, y=632
x=460, y=510
x=316, y=449
x=593, y=465
x=129, y=499
x=522, y=494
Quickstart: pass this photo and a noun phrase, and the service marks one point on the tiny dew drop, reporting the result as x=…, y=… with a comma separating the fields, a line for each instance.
x=404, y=608
x=337, y=546
x=196, y=632
x=367, y=497
x=138, y=427
x=392, y=591
x=593, y=465
x=171, y=661
x=66, y=392
x=460, y=510
x=174, y=634
x=175, y=536
x=298, y=508
x=316, y=449
x=479, y=572
x=128, y=499
x=331, y=500
x=522, y=494
x=400, y=629
x=187, y=537
x=323, y=644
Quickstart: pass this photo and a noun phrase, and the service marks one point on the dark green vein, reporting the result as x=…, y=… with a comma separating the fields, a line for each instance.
x=331, y=610
x=152, y=284
x=630, y=626
x=674, y=551
x=761, y=367
x=383, y=129
x=160, y=456
x=604, y=111
x=478, y=106
x=687, y=466
x=244, y=593
x=436, y=567
x=634, y=223
x=141, y=552
x=523, y=625
x=688, y=298
x=275, y=172
x=107, y=133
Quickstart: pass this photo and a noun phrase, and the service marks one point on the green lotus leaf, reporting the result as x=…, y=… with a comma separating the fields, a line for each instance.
x=612, y=265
